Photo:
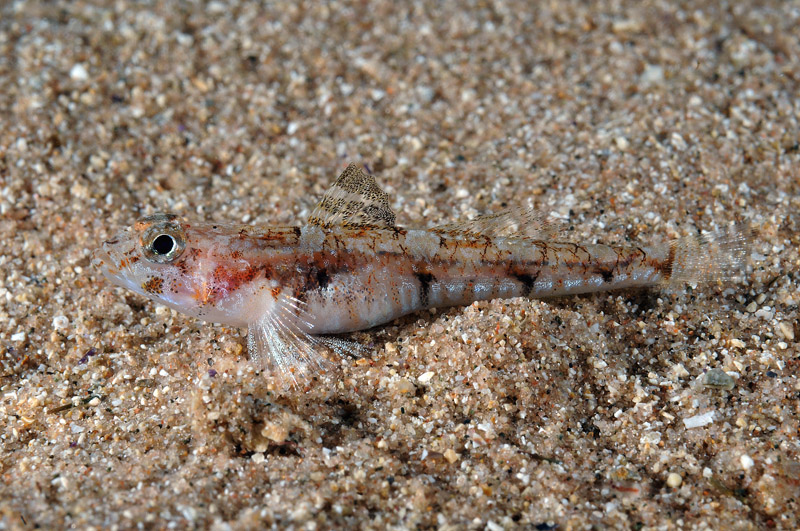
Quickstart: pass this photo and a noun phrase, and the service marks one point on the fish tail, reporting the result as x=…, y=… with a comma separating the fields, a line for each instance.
x=710, y=257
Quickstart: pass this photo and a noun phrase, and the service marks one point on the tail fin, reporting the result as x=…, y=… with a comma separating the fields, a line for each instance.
x=714, y=256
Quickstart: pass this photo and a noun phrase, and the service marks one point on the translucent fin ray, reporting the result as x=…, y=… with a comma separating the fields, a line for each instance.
x=710, y=257
x=520, y=222
x=353, y=201
x=277, y=342
x=343, y=347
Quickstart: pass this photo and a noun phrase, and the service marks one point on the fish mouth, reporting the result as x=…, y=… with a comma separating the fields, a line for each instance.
x=110, y=263
x=103, y=259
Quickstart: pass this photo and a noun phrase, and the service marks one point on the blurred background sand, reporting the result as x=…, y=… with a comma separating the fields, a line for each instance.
x=636, y=121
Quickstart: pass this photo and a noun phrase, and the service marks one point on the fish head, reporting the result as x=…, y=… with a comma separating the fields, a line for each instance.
x=177, y=263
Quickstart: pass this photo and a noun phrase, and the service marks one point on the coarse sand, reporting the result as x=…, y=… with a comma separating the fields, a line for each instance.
x=636, y=121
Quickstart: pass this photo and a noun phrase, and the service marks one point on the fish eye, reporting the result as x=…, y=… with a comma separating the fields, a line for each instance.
x=163, y=244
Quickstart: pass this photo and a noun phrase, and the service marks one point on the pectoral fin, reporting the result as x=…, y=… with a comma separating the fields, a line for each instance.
x=277, y=341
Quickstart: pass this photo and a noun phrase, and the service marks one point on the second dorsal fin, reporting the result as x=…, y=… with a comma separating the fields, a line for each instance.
x=353, y=201
x=517, y=222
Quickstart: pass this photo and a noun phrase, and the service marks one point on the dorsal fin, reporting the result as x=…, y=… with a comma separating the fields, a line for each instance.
x=353, y=201
x=517, y=222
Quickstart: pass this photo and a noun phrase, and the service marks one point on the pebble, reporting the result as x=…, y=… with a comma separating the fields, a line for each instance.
x=492, y=526
x=78, y=73
x=674, y=480
x=786, y=330
x=718, y=379
x=652, y=75
x=275, y=432
x=678, y=142
x=737, y=343
x=698, y=421
x=746, y=461
x=425, y=377
x=404, y=386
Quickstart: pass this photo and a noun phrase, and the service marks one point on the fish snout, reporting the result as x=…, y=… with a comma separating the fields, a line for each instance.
x=106, y=260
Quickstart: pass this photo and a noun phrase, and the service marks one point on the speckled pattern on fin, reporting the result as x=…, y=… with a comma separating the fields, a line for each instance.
x=520, y=222
x=353, y=201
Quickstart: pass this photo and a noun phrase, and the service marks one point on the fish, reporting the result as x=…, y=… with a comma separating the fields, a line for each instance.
x=350, y=268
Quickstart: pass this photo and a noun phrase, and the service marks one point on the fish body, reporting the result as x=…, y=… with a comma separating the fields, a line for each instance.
x=350, y=268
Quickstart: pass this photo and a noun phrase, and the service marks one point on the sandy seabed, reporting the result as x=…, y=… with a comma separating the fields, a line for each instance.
x=635, y=121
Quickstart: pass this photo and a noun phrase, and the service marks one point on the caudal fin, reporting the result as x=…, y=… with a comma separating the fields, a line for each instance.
x=714, y=256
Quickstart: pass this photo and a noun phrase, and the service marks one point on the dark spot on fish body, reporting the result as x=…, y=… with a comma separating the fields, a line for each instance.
x=425, y=280
x=360, y=232
x=398, y=232
x=153, y=285
x=606, y=273
x=527, y=280
x=322, y=278
x=272, y=235
x=227, y=280
x=182, y=266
